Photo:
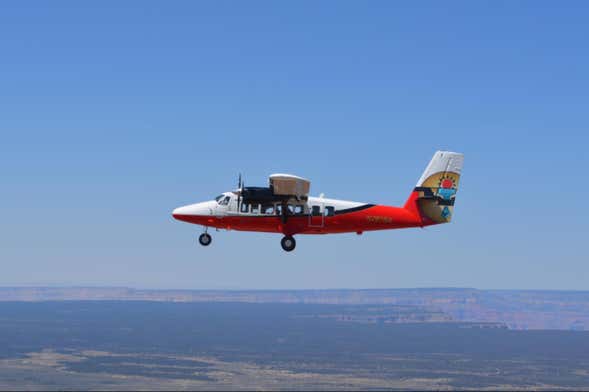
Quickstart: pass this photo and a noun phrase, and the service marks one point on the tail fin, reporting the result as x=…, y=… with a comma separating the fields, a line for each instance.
x=434, y=195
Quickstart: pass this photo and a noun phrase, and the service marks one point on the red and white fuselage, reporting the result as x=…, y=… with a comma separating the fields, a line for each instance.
x=334, y=216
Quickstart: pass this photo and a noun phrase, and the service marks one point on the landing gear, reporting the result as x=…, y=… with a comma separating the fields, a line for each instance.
x=288, y=243
x=205, y=239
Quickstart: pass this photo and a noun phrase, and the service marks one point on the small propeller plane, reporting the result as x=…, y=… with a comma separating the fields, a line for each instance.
x=285, y=207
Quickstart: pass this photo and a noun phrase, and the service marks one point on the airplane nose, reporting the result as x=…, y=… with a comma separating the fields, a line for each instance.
x=179, y=212
x=192, y=210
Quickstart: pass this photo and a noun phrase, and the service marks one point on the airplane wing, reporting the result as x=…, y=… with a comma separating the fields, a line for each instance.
x=289, y=185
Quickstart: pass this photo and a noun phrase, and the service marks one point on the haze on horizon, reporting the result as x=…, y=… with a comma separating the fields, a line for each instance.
x=113, y=114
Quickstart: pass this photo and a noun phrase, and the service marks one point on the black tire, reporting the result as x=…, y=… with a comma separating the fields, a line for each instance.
x=288, y=243
x=205, y=239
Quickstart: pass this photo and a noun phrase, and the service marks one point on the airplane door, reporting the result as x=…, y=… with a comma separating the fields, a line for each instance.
x=316, y=218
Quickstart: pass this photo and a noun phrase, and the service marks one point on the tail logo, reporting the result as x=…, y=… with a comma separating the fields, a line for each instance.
x=446, y=192
x=437, y=195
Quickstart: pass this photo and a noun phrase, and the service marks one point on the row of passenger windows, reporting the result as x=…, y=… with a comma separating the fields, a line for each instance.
x=293, y=209
x=271, y=209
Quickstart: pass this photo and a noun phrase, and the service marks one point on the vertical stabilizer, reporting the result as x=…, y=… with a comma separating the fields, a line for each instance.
x=435, y=193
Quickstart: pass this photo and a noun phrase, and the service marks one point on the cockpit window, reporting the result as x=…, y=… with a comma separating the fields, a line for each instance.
x=218, y=198
x=225, y=201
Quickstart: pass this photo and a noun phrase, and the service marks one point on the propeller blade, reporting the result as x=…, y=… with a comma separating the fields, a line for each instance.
x=240, y=188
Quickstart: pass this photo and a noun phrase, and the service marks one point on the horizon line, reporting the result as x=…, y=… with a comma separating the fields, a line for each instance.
x=282, y=289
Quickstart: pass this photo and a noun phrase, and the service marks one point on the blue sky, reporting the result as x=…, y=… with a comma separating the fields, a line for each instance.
x=112, y=114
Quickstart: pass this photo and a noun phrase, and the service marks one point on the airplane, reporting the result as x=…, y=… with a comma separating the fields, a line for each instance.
x=285, y=207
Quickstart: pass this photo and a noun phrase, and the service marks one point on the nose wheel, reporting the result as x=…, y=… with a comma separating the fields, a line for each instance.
x=288, y=243
x=205, y=239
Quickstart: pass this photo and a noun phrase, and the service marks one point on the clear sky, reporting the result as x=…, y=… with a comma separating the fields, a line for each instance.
x=113, y=113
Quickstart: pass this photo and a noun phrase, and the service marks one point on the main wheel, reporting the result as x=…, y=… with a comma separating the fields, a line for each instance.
x=288, y=243
x=205, y=239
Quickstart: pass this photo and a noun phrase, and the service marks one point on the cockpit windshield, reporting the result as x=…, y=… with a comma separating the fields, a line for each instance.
x=223, y=200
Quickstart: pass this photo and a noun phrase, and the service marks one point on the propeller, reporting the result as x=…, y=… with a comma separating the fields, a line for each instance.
x=240, y=191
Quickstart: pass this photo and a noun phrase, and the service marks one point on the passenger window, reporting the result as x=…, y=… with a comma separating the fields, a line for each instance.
x=245, y=207
x=268, y=209
x=316, y=210
x=278, y=209
x=290, y=209
x=255, y=208
x=299, y=209
x=329, y=211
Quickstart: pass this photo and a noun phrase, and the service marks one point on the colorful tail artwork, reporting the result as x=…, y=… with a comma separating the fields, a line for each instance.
x=434, y=195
